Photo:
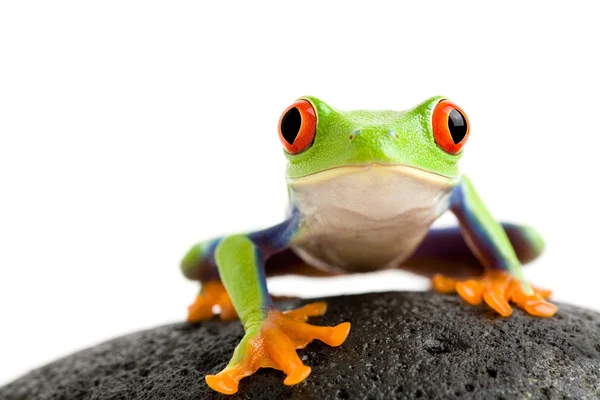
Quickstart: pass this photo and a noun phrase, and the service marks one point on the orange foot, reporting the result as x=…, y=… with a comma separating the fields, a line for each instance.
x=497, y=288
x=273, y=344
x=212, y=294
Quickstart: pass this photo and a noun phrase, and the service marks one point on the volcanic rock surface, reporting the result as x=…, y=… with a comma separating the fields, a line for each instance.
x=402, y=345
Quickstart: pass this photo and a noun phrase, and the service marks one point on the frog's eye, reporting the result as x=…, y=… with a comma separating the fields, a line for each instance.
x=450, y=127
x=297, y=126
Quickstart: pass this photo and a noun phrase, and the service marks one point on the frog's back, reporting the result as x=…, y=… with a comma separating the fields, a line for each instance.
x=362, y=218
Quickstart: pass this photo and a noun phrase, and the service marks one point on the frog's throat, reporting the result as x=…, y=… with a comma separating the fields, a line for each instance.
x=406, y=170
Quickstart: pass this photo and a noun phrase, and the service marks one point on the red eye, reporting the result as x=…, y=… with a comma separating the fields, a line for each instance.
x=450, y=127
x=297, y=126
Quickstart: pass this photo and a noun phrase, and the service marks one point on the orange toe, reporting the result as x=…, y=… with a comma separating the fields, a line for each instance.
x=496, y=300
x=338, y=334
x=545, y=293
x=310, y=310
x=213, y=296
x=201, y=310
x=535, y=304
x=471, y=291
x=443, y=284
x=540, y=308
x=297, y=375
x=274, y=345
x=222, y=383
x=498, y=288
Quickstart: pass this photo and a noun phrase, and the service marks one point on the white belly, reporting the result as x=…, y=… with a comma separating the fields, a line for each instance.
x=363, y=218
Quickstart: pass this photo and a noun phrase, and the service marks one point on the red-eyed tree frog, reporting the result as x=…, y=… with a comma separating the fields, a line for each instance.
x=364, y=188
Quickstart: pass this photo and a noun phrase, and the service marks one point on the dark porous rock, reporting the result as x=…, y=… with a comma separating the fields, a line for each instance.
x=401, y=345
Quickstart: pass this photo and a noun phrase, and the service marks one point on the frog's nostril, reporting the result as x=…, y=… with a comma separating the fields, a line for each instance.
x=354, y=133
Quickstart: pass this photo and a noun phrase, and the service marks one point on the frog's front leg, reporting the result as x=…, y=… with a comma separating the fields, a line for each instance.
x=272, y=336
x=503, y=279
x=199, y=265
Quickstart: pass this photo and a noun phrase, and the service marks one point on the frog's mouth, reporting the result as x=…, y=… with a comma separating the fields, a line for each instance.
x=373, y=197
x=394, y=173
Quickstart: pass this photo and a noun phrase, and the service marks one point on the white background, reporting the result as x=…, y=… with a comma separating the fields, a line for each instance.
x=131, y=130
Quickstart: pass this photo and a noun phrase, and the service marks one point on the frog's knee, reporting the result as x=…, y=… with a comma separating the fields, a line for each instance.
x=526, y=241
x=198, y=263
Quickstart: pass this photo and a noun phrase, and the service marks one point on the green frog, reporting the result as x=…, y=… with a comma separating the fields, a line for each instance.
x=364, y=189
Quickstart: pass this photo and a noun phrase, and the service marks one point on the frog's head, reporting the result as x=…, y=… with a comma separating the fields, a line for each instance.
x=429, y=137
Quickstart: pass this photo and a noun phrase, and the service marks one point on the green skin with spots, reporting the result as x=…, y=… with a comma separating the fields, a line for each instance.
x=343, y=139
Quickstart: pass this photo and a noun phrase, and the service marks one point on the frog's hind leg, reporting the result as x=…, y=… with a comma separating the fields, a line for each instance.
x=444, y=251
x=199, y=264
x=445, y=256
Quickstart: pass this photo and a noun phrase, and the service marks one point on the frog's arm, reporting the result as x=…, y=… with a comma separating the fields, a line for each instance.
x=240, y=261
x=272, y=337
x=503, y=279
x=484, y=235
x=200, y=264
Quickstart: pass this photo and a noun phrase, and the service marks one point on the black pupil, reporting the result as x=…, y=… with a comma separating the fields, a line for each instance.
x=457, y=124
x=290, y=125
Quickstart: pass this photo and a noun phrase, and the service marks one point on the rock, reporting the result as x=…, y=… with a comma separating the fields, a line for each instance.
x=401, y=345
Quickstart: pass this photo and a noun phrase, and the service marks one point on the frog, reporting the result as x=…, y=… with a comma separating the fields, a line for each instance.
x=364, y=189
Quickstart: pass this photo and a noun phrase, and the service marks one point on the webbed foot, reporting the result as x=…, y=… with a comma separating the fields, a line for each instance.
x=497, y=289
x=212, y=294
x=273, y=344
